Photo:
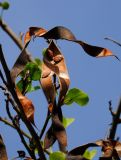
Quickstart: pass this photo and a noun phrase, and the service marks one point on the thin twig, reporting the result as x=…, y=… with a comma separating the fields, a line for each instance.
x=4, y=120
x=114, y=41
x=1, y=87
x=111, y=109
x=2, y=77
x=19, y=131
x=115, y=122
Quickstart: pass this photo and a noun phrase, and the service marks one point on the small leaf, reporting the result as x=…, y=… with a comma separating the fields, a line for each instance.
x=25, y=87
x=35, y=71
x=29, y=87
x=50, y=150
x=38, y=62
x=57, y=156
x=77, y=96
x=33, y=88
x=20, y=85
x=89, y=154
x=5, y=5
x=67, y=121
x=44, y=51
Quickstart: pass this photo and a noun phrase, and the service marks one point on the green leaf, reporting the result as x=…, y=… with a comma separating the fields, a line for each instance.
x=50, y=149
x=57, y=156
x=77, y=96
x=44, y=51
x=20, y=85
x=89, y=154
x=33, y=88
x=67, y=121
x=38, y=62
x=28, y=87
x=35, y=71
x=5, y=5
x=32, y=70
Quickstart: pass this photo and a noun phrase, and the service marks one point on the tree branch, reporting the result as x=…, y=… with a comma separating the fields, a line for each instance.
x=11, y=34
x=22, y=115
x=115, y=122
x=4, y=120
x=17, y=40
x=2, y=77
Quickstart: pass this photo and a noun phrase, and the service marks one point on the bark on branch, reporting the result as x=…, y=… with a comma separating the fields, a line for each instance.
x=11, y=34
x=115, y=122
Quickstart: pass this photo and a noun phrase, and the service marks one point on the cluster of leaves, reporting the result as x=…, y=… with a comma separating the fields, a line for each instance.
x=54, y=68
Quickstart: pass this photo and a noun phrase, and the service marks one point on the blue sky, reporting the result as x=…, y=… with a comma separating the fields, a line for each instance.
x=90, y=21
